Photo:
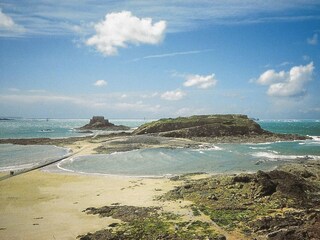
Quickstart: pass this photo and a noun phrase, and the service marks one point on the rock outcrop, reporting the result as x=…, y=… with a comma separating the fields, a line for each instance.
x=99, y=123
x=281, y=204
x=211, y=126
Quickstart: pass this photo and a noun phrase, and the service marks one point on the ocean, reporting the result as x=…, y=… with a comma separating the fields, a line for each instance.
x=53, y=128
x=219, y=158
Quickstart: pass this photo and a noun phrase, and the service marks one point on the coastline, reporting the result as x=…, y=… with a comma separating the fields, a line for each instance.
x=50, y=204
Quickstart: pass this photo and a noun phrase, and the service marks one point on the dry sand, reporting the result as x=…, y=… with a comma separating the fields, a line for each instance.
x=43, y=205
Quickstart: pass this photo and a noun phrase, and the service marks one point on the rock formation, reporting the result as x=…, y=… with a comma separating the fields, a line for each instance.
x=210, y=126
x=99, y=123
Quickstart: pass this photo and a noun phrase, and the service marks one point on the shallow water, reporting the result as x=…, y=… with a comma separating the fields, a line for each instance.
x=14, y=157
x=221, y=158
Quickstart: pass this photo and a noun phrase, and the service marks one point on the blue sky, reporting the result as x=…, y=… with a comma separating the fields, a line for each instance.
x=135, y=59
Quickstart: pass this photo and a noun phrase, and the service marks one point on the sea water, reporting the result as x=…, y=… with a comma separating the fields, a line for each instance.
x=220, y=158
x=15, y=157
x=53, y=128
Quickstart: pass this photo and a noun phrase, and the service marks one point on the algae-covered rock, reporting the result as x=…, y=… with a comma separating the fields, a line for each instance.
x=149, y=223
x=280, y=204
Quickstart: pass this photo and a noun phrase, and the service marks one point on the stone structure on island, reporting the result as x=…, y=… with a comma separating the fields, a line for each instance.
x=100, y=123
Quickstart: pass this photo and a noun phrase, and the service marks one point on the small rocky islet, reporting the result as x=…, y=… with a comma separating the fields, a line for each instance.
x=100, y=123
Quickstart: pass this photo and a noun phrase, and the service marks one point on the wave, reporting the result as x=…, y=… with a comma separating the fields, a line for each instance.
x=209, y=148
x=45, y=131
x=258, y=148
x=315, y=138
x=275, y=156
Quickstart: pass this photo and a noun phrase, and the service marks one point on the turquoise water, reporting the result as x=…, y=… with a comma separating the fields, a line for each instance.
x=220, y=158
x=303, y=127
x=52, y=128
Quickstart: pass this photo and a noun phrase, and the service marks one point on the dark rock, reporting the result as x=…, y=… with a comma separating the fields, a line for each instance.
x=124, y=213
x=243, y=178
x=113, y=225
x=276, y=223
x=266, y=186
x=291, y=185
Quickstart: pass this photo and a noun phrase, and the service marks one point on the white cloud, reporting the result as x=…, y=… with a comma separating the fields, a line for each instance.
x=6, y=21
x=119, y=29
x=200, y=81
x=150, y=95
x=287, y=84
x=100, y=83
x=271, y=76
x=313, y=40
x=8, y=26
x=173, y=95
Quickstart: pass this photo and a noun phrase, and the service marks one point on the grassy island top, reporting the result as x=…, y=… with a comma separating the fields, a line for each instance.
x=225, y=128
x=220, y=121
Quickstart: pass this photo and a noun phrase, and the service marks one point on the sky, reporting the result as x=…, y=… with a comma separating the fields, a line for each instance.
x=155, y=59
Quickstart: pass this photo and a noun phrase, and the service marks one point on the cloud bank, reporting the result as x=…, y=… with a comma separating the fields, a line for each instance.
x=287, y=84
x=200, y=81
x=119, y=29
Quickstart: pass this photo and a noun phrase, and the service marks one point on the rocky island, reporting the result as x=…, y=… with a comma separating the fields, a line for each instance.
x=214, y=128
x=99, y=123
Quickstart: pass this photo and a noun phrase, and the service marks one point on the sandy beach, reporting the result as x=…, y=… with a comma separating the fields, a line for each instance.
x=42, y=205
x=48, y=205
